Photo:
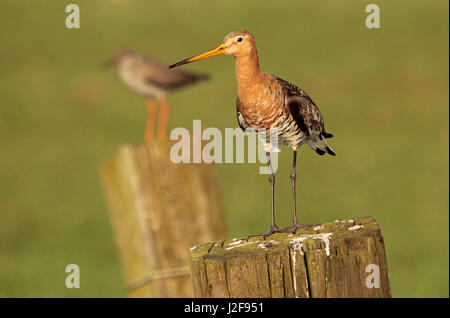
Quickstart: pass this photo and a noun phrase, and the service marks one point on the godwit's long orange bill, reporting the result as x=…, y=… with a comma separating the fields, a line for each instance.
x=217, y=51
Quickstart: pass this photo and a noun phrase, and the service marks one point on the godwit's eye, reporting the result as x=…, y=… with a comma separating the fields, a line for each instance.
x=239, y=39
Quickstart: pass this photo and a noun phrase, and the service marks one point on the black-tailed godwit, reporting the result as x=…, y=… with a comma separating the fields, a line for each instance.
x=265, y=101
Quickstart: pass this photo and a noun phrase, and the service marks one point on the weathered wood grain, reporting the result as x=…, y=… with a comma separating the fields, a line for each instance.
x=159, y=210
x=328, y=260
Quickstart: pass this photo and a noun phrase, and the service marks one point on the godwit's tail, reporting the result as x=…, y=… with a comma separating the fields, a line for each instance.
x=320, y=145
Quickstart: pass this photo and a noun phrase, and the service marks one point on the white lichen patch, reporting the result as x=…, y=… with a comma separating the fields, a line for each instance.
x=318, y=228
x=239, y=245
x=351, y=221
x=297, y=248
x=339, y=221
x=236, y=241
x=325, y=237
x=193, y=248
x=355, y=227
x=267, y=244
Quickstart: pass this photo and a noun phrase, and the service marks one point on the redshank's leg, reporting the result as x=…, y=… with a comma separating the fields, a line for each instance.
x=295, y=225
x=273, y=228
x=151, y=118
x=163, y=118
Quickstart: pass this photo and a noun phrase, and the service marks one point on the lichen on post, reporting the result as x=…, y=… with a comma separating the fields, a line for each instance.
x=328, y=260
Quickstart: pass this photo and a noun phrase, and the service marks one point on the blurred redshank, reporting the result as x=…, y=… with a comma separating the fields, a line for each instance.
x=153, y=80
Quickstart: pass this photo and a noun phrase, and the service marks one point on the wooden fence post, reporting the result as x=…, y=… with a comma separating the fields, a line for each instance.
x=337, y=259
x=158, y=210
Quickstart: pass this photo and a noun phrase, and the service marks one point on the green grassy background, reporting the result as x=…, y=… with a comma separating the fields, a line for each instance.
x=384, y=94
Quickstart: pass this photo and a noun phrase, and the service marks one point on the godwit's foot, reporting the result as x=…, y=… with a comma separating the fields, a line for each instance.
x=295, y=226
x=273, y=229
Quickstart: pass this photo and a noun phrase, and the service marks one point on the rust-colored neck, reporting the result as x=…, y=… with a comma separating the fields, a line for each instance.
x=247, y=70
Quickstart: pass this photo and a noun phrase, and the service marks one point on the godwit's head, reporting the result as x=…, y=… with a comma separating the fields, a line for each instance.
x=237, y=43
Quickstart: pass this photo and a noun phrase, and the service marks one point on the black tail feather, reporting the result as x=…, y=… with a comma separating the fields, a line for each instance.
x=320, y=151
x=331, y=152
x=327, y=135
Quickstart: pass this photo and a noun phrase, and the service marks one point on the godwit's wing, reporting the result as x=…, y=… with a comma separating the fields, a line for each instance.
x=307, y=116
x=305, y=112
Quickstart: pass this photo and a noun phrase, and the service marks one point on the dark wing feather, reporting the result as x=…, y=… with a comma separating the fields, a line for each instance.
x=303, y=109
x=241, y=121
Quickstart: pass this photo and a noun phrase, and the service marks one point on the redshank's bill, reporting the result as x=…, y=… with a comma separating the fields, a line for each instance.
x=265, y=101
x=153, y=80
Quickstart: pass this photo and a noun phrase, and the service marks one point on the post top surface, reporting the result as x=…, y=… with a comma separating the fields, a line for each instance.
x=326, y=232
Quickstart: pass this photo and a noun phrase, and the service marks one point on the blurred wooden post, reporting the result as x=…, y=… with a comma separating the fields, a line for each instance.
x=159, y=210
x=337, y=259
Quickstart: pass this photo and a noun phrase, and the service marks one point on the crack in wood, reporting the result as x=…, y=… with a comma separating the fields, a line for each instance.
x=268, y=275
x=308, y=281
x=226, y=276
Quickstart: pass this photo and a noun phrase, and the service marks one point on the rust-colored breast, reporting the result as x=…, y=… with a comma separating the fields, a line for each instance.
x=262, y=104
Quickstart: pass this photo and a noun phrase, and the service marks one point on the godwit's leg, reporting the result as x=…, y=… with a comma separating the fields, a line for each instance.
x=295, y=225
x=163, y=118
x=151, y=118
x=273, y=227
